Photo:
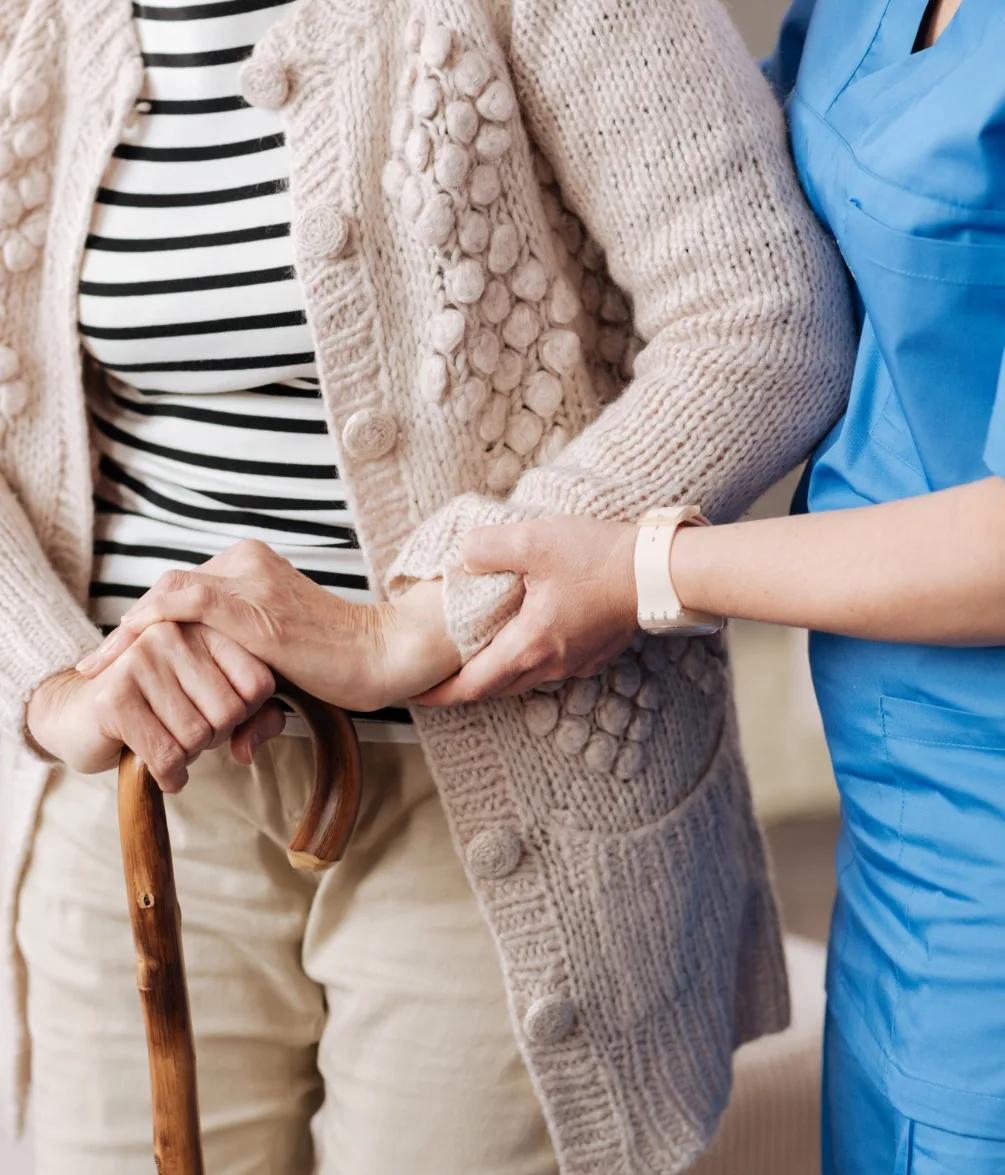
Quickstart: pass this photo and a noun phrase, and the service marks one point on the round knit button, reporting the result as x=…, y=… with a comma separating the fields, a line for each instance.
x=370, y=433
x=10, y=363
x=264, y=83
x=494, y=854
x=323, y=232
x=549, y=1020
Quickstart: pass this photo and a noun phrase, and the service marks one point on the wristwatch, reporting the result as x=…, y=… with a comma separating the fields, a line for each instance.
x=660, y=609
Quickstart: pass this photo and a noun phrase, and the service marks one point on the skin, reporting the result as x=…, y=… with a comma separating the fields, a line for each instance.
x=153, y=686
x=937, y=21
x=927, y=570
x=177, y=691
x=170, y=683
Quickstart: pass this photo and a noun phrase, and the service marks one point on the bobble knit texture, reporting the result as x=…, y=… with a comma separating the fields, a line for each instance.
x=574, y=274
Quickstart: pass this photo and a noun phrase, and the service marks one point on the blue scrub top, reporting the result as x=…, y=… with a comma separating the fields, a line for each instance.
x=903, y=157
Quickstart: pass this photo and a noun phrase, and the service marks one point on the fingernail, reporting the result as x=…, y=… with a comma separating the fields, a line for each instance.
x=90, y=662
x=254, y=742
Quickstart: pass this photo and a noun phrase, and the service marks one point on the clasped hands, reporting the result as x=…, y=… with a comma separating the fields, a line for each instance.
x=191, y=665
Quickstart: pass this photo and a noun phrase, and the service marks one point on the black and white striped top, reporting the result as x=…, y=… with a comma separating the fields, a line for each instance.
x=213, y=428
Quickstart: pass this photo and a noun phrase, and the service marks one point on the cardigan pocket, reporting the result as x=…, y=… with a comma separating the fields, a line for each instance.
x=659, y=924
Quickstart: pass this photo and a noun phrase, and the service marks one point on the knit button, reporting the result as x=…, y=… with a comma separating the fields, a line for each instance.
x=264, y=83
x=323, y=232
x=370, y=433
x=549, y=1020
x=495, y=854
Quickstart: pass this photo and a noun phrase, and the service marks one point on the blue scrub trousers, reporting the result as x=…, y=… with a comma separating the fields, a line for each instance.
x=864, y=1135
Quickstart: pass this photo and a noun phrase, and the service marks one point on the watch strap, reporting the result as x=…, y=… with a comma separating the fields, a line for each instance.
x=659, y=606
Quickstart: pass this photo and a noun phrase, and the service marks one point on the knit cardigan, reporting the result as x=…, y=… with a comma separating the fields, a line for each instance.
x=555, y=260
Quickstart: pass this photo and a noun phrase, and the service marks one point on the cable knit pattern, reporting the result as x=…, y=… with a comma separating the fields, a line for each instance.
x=554, y=259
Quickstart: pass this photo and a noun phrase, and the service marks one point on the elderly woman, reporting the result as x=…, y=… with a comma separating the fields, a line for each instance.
x=344, y=279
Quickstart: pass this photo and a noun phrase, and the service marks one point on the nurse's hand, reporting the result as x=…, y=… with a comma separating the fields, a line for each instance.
x=359, y=656
x=578, y=613
x=174, y=693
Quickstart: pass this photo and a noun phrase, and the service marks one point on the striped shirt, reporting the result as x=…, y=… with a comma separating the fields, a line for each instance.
x=212, y=428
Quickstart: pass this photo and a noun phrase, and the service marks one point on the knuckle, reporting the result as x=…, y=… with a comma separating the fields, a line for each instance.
x=539, y=652
x=201, y=596
x=161, y=637
x=172, y=581
x=253, y=552
x=138, y=659
x=167, y=758
x=232, y=713
x=258, y=685
x=195, y=735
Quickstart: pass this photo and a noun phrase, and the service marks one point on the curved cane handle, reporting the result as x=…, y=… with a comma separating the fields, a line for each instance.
x=333, y=807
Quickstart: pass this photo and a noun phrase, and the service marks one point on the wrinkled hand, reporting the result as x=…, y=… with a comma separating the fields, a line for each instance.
x=578, y=613
x=358, y=656
x=175, y=692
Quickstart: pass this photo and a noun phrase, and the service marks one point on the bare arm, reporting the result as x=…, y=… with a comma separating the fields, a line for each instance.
x=929, y=570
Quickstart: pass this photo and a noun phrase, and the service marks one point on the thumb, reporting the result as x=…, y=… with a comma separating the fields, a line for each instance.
x=498, y=548
x=260, y=728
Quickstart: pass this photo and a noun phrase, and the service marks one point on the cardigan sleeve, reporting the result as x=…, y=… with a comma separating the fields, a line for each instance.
x=669, y=146
x=42, y=627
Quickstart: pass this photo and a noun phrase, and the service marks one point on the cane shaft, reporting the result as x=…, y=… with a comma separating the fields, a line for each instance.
x=160, y=969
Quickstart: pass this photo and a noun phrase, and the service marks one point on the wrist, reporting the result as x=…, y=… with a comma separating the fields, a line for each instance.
x=662, y=608
x=43, y=709
x=625, y=604
x=687, y=573
x=418, y=653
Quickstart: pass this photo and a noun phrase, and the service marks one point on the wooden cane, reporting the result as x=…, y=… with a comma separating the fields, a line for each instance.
x=319, y=842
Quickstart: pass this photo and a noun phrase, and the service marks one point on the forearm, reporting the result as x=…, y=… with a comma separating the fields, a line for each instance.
x=929, y=570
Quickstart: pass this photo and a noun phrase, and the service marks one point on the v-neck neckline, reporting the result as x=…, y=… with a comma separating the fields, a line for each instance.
x=888, y=73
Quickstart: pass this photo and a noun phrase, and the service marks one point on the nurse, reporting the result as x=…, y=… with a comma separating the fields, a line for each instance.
x=897, y=116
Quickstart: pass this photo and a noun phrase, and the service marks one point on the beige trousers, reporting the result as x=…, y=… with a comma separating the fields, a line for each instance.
x=369, y=996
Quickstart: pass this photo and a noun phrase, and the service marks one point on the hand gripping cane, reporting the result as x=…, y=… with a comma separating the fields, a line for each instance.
x=319, y=842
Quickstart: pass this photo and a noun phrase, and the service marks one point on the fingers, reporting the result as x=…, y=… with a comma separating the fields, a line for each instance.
x=516, y=654
x=260, y=728
x=161, y=668
x=513, y=547
x=203, y=681
x=114, y=645
x=252, y=680
x=178, y=596
x=181, y=690
x=183, y=597
x=125, y=715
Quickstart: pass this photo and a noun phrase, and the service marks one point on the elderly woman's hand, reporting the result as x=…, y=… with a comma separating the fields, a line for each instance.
x=359, y=656
x=578, y=613
x=175, y=692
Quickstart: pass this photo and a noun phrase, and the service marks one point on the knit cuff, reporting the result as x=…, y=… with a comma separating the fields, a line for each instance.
x=52, y=643
x=475, y=607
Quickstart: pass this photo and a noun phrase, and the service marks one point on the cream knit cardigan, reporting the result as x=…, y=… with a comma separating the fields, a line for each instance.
x=555, y=260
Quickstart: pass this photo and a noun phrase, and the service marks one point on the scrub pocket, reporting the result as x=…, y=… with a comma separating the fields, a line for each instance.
x=949, y=1019
x=865, y=1134
x=943, y=380
x=940, y=1152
